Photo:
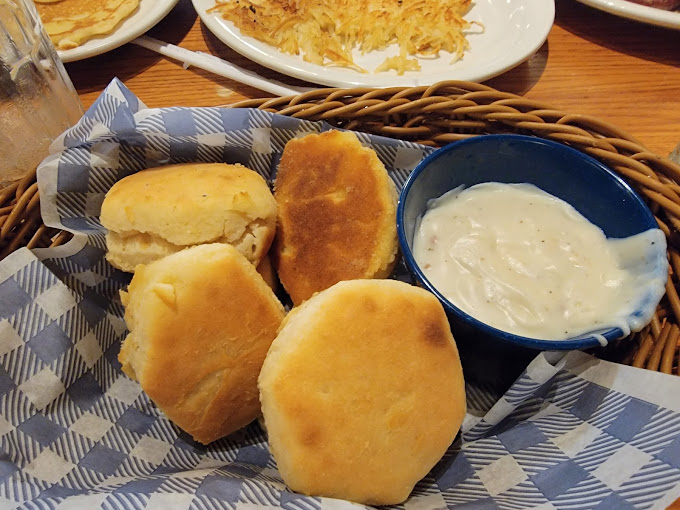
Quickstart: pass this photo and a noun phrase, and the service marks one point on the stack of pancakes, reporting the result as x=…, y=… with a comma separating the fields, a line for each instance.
x=70, y=23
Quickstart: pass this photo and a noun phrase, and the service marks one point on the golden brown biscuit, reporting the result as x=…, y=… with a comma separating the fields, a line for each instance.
x=201, y=321
x=160, y=211
x=362, y=391
x=266, y=270
x=337, y=214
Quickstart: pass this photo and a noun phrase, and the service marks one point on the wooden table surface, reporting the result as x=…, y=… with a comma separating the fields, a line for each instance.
x=593, y=63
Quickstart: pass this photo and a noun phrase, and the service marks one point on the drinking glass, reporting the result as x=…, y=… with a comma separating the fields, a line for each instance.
x=37, y=99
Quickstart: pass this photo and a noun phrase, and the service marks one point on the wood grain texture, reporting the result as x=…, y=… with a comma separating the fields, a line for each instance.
x=596, y=64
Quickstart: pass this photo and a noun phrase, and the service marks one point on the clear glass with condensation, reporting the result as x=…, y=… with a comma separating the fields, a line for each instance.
x=37, y=99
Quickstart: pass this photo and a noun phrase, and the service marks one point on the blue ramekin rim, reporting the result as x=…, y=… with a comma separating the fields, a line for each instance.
x=584, y=341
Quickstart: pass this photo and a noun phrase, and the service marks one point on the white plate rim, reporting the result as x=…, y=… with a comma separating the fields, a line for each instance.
x=538, y=14
x=147, y=15
x=643, y=13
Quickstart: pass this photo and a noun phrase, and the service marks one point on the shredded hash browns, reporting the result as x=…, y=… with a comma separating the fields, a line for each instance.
x=326, y=31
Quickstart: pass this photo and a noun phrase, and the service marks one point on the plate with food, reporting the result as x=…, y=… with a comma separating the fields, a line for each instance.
x=84, y=28
x=663, y=13
x=412, y=45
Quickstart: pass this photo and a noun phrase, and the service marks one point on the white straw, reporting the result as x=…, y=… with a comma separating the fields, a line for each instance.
x=217, y=66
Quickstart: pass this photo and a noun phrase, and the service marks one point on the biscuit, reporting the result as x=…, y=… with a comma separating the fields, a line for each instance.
x=337, y=214
x=362, y=391
x=160, y=211
x=266, y=270
x=201, y=321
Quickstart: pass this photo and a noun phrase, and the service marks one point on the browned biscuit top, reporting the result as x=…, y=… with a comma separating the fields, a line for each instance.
x=362, y=391
x=201, y=321
x=159, y=211
x=337, y=214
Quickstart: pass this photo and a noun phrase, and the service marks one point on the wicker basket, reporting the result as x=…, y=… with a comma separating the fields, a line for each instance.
x=20, y=220
x=440, y=114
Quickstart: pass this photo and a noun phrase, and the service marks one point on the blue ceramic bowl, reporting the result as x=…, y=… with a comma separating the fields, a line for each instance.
x=590, y=187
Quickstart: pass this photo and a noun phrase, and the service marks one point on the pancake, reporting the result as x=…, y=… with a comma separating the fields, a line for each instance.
x=70, y=23
x=337, y=214
x=362, y=391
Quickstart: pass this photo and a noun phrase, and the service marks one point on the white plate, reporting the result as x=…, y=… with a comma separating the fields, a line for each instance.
x=148, y=14
x=514, y=30
x=625, y=9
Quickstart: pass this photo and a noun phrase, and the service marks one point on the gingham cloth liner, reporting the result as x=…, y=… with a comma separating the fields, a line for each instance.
x=76, y=433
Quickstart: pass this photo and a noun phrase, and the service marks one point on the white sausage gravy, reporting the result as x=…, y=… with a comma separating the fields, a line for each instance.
x=526, y=262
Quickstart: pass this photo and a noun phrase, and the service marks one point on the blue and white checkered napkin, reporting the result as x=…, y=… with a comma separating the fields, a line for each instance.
x=75, y=433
